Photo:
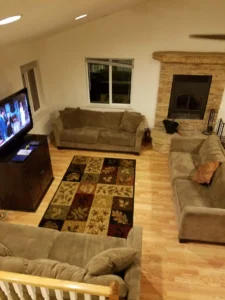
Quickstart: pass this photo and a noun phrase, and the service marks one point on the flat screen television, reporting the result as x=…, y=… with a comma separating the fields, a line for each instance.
x=15, y=118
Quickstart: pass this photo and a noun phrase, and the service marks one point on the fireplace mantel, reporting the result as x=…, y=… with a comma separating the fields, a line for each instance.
x=212, y=58
x=189, y=63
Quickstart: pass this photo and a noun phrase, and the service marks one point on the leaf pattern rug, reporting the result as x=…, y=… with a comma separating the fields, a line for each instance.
x=96, y=196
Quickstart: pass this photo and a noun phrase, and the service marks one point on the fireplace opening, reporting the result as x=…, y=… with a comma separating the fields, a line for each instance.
x=189, y=96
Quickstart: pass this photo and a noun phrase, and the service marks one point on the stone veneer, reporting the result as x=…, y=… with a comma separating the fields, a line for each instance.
x=189, y=63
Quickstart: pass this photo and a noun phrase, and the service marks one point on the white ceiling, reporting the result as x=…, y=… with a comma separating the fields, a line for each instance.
x=43, y=17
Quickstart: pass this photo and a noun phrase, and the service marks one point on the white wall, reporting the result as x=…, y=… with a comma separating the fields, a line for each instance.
x=157, y=25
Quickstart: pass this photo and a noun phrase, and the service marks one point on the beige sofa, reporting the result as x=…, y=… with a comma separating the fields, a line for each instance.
x=70, y=256
x=97, y=130
x=200, y=208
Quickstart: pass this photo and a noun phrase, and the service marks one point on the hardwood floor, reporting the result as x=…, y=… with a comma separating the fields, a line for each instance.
x=170, y=271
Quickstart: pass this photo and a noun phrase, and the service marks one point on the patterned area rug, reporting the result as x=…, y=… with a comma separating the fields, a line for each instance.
x=96, y=196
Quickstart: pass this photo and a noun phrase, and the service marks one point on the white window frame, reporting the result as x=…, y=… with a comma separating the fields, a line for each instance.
x=110, y=63
x=34, y=65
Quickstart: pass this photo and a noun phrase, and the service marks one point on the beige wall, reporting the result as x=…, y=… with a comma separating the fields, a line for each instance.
x=135, y=33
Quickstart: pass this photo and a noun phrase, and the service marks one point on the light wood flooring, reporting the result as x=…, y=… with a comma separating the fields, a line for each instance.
x=170, y=270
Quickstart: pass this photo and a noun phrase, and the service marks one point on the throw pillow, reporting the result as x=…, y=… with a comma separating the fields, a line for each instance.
x=4, y=251
x=130, y=121
x=205, y=172
x=71, y=118
x=111, y=261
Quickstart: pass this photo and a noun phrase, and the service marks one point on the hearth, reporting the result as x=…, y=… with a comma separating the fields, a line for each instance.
x=189, y=96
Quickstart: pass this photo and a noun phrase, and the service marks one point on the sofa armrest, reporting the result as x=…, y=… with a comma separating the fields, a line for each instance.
x=57, y=127
x=203, y=224
x=132, y=275
x=139, y=136
x=183, y=144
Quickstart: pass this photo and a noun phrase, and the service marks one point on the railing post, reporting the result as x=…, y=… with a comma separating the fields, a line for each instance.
x=115, y=291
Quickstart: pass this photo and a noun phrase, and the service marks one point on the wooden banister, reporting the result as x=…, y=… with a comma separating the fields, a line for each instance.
x=111, y=292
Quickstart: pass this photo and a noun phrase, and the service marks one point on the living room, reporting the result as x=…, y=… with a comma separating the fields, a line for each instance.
x=130, y=30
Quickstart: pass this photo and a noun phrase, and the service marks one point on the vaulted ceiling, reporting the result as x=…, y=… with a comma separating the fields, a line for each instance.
x=44, y=17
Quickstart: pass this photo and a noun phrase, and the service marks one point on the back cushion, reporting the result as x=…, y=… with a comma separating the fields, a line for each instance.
x=80, y=248
x=111, y=119
x=217, y=188
x=91, y=118
x=212, y=150
x=71, y=118
x=27, y=241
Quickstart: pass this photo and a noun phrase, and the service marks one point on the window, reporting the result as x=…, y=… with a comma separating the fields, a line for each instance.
x=32, y=81
x=110, y=80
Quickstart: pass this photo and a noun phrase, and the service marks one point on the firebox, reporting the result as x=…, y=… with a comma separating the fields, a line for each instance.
x=189, y=96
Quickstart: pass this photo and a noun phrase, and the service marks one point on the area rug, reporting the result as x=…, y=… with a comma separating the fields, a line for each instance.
x=96, y=196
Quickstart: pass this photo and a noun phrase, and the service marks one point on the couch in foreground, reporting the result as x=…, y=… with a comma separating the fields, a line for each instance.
x=96, y=130
x=73, y=256
x=200, y=208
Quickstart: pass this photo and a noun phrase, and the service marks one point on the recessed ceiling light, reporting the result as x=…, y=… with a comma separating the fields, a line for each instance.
x=81, y=17
x=10, y=20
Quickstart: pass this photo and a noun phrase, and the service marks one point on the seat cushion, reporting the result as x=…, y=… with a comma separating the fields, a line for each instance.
x=116, y=137
x=54, y=269
x=91, y=118
x=84, y=135
x=183, y=165
x=111, y=119
x=189, y=193
x=212, y=150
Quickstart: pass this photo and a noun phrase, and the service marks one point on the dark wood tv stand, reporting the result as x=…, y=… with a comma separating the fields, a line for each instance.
x=24, y=184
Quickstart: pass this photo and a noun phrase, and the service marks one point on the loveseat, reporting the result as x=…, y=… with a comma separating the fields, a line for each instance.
x=96, y=130
x=200, y=208
x=73, y=256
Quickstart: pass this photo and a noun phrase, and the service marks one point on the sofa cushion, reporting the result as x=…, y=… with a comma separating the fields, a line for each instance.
x=211, y=150
x=111, y=261
x=205, y=172
x=106, y=280
x=27, y=241
x=91, y=118
x=116, y=137
x=13, y=264
x=217, y=187
x=71, y=118
x=85, y=135
x=80, y=248
x=130, y=121
x=112, y=119
x=54, y=269
x=189, y=193
x=183, y=165
x=4, y=251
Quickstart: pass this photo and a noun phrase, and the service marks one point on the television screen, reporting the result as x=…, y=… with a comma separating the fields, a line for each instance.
x=15, y=117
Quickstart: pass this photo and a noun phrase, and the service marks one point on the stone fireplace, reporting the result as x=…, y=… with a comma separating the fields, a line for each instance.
x=191, y=84
x=189, y=96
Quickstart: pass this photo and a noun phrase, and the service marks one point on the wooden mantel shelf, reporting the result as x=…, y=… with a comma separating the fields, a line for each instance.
x=212, y=58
